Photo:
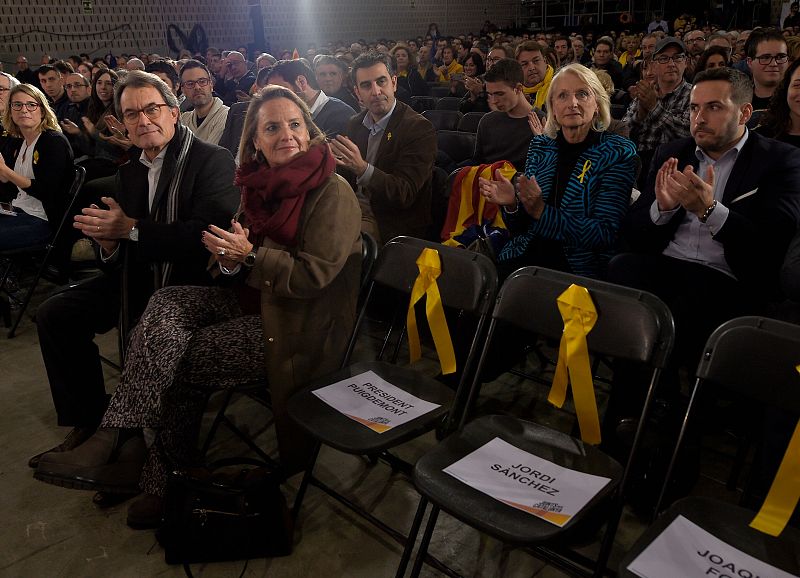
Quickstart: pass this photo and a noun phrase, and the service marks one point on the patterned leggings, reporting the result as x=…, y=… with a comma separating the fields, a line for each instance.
x=190, y=342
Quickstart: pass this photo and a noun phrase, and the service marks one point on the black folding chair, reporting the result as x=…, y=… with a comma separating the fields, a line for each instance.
x=469, y=122
x=448, y=102
x=258, y=390
x=459, y=146
x=54, y=253
x=467, y=284
x=440, y=91
x=423, y=103
x=443, y=119
x=631, y=325
x=618, y=111
x=755, y=359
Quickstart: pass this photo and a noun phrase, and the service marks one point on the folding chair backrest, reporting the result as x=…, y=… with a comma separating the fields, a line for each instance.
x=64, y=231
x=369, y=254
x=459, y=146
x=755, y=357
x=469, y=122
x=631, y=324
x=448, y=102
x=443, y=119
x=468, y=280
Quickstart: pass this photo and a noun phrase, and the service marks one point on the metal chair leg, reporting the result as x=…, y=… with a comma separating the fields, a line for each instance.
x=412, y=537
x=426, y=540
x=301, y=491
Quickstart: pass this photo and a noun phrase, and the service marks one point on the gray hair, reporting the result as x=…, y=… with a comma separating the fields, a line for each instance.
x=12, y=82
x=140, y=79
x=589, y=78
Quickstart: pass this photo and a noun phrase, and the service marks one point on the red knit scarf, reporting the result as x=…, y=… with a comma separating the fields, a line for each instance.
x=274, y=196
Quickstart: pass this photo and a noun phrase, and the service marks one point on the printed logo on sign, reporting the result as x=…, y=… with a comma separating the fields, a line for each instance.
x=548, y=507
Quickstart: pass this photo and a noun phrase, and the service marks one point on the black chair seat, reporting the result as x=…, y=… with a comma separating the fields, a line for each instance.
x=495, y=518
x=339, y=431
x=731, y=524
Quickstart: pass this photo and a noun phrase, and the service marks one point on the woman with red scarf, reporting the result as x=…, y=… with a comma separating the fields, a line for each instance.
x=292, y=267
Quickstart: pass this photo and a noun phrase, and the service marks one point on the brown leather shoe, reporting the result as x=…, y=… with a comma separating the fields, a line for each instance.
x=110, y=461
x=146, y=512
x=76, y=437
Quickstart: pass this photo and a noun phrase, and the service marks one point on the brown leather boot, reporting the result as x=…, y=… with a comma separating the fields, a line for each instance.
x=74, y=438
x=146, y=512
x=110, y=461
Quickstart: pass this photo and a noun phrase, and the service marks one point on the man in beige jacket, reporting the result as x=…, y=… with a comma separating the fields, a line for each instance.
x=207, y=120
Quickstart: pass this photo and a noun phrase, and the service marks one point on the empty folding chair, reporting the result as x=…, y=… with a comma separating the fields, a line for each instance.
x=448, y=103
x=443, y=119
x=758, y=360
x=469, y=122
x=459, y=146
x=631, y=325
x=423, y=103
x=467, y=284
x=440, y=91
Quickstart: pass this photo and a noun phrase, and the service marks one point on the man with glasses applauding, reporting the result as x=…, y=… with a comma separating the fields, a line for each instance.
x=767, y=58
x=660, y=113
x=148, y=236
x=207, y=120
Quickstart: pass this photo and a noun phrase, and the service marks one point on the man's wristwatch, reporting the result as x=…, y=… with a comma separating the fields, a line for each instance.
x=133, y=234
x=250, y=259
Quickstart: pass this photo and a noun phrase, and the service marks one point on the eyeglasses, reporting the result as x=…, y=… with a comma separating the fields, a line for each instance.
x=4, y=89
x=151, y=111
x=201, y=82
x=663, y=58
x=29, y=106
x=765, y=59
x=697, y=39
x=71, y=86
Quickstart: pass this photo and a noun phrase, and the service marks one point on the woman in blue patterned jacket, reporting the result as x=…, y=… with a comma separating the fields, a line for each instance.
x=565, y=211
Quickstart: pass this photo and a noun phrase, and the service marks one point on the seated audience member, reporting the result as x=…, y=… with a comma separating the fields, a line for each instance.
x=473, y=67
x=7, y=82
x=79, y=92
x=51, y=79
x=604, y=60
x=475, y=98
x=134, y=64
x=425, y=67
x=166, y=72
x=232, y=135
x=265, y=61
x=660, y=113
x=208, y=115
x=504, y=133
x=631, y=73
x=767, y=59
x=537, y=73
x=35, y=169
x=615, y=126
x=408, y=77
x=329, y=114
x=449, y=68
x=148, y=237
x=307, y=274
x=332, y=79
x=102, y=131
x=561, y=48
x=565, y=210
x=713, y=57
x=781, y=120
x=712, y=225
x=238, y=79
x=389, y=151
x=24, y=73
x=580, y=54
x=632, y=51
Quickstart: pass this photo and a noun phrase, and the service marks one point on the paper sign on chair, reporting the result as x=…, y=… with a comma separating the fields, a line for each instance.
x=686, y=549
x=527, y=482
x=373, y=402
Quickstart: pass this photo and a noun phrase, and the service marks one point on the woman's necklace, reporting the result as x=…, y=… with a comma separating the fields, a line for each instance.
x=24, y=152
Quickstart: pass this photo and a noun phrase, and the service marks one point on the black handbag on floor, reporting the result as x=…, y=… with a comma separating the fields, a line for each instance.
x=213, y=514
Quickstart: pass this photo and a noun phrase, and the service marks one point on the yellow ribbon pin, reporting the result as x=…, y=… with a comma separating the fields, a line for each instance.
x=784, y=493
x=586, y=166
x=430, y=267
x=36, y=157
x=579, y=315
x=388, y=136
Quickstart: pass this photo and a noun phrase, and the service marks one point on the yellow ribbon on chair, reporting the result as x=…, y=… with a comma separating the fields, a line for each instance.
x=580, y=315
x=784, y=493
x=430, y=267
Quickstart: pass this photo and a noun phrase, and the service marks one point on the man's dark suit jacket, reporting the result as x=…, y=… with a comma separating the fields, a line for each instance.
x=400, y=187
x=762, y=195
x=207, y=195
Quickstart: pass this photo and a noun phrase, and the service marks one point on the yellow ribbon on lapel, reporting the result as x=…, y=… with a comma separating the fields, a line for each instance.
x=586, y=166
x=430, y=267
x=579, y=315
x=784, y=493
